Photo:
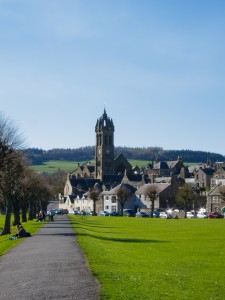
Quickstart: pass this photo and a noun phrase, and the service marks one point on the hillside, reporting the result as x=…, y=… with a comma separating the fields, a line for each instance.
x=39, y=156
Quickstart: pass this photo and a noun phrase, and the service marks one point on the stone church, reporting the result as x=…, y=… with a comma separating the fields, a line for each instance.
x=107, y=171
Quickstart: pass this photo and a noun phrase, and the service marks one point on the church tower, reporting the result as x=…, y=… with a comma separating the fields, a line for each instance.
x=104, y=151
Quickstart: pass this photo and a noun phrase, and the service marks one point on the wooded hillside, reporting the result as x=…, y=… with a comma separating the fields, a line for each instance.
x=38, y=156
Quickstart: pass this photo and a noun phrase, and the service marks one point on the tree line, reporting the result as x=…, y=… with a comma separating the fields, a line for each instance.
x=23, y=192
x=38, y=156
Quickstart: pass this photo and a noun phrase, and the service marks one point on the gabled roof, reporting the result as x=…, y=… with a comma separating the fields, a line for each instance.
x=119, y=187
x=172, y=163
x=158, y=186
x=162, y=165
x=208, y=171
x=90, y=166
x=215, y=191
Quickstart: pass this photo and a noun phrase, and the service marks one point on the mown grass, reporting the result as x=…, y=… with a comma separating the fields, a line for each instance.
x=135, y=258
x=6, y=244
x=53, y=166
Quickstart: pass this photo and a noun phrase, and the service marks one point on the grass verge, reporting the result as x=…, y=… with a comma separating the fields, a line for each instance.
x=6, y=244
x=135, y=258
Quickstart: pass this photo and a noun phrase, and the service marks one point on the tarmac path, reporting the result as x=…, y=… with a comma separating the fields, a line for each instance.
x=48, y=265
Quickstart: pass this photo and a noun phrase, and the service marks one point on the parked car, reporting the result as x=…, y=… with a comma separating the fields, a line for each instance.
x=104, y=213
x=114, y=214
x=201, y=215
x=141, y=214
x=128, y=213
x=156, y=214
x=215, y=215
x=163, y=215
x=190, y=215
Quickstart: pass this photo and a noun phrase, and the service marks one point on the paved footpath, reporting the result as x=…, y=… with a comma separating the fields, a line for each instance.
x=48, y=265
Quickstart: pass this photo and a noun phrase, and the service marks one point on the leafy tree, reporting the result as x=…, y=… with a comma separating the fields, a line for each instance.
x=151, y=192
x=185, y=197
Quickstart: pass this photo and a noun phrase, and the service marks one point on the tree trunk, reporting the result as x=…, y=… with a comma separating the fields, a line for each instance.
x=24, y=213
x=121, y=208
x=152, y=208
x=31, y=210
x=6, y=229
x=185, y=212
x=94, y=208
x=16, y=212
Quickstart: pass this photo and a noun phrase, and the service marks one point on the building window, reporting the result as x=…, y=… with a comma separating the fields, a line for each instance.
x=113, y=199
x=113, y=207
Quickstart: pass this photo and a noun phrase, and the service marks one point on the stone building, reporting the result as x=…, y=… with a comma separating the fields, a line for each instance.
x=107, y=171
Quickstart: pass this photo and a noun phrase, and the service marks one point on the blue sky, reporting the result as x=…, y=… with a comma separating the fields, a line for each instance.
x=157, y=67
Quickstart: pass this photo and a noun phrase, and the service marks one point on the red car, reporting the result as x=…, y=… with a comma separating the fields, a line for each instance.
x=215, y=215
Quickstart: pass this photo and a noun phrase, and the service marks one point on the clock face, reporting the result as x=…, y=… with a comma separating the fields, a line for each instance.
x=107, y=151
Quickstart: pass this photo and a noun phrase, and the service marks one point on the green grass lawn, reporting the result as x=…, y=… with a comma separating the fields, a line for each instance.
x=138, y=258
x=52, y=166
x=6, y=244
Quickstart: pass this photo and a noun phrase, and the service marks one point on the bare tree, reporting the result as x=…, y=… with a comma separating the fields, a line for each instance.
x=10, y=138
x=10, y=177
x=152, y=193
x=10, y=165
x=38, y=194
x=94, y=196
x=57, y=182
x=123, y=193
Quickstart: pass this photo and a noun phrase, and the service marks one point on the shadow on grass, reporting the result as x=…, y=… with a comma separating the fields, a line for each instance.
x=121, y=240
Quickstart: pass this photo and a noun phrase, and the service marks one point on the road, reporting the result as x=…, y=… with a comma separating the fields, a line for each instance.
x=48, y=265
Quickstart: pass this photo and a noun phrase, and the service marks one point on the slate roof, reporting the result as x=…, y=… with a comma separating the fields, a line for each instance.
x=208, y=171
x=116, y=189
x=159, y=188
x=83, y=184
